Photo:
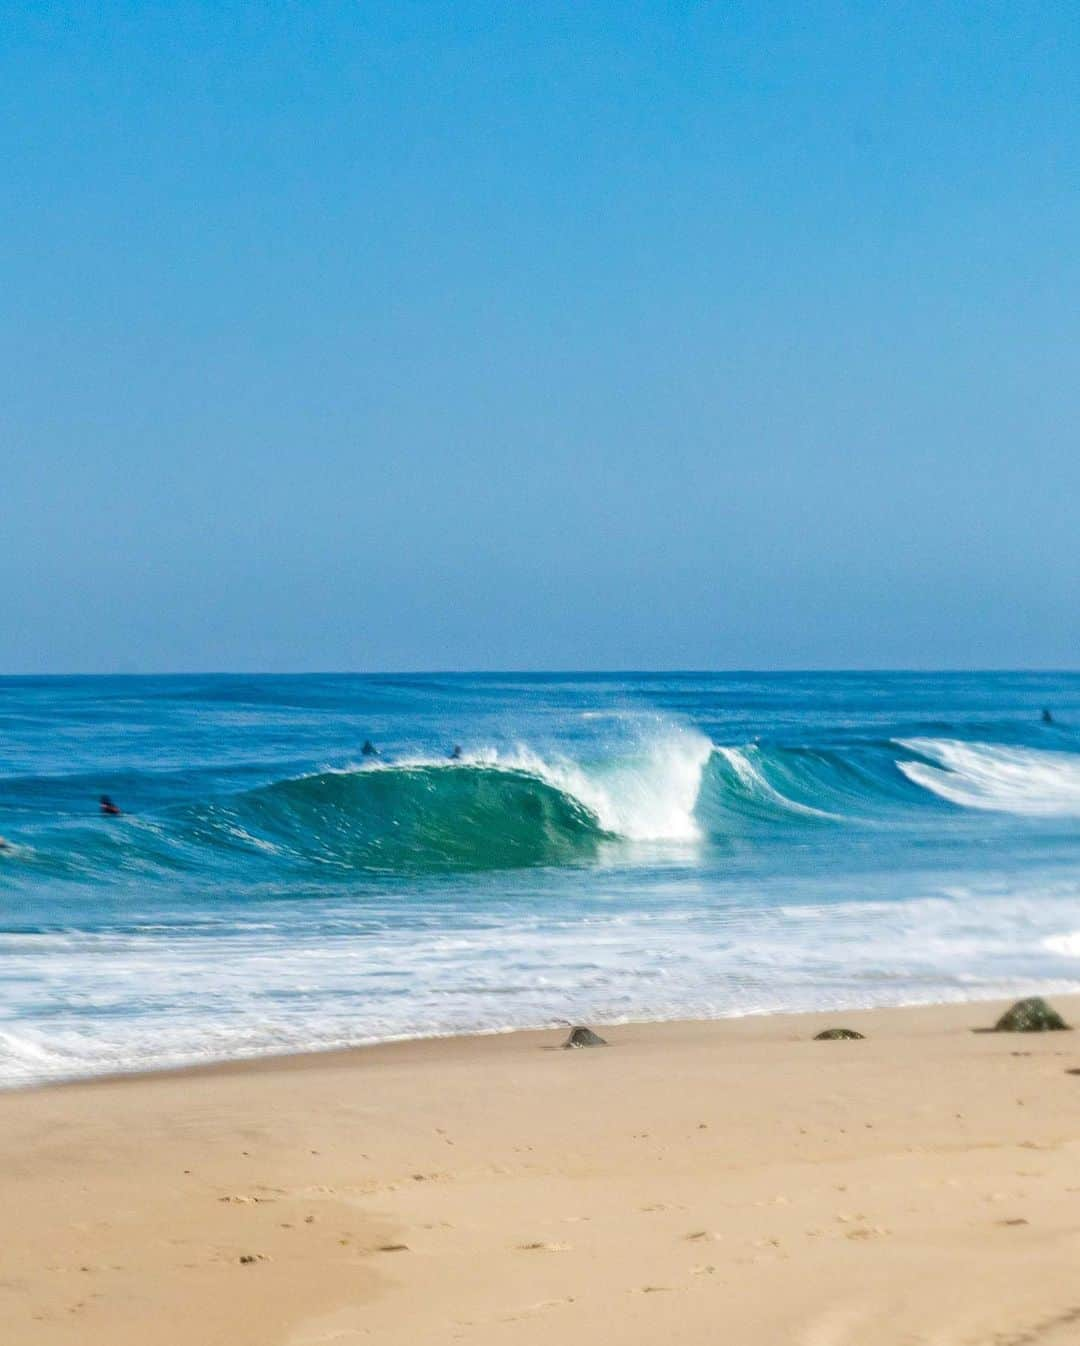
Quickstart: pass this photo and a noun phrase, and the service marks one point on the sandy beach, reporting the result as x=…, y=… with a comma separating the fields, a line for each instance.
x=691, y=1182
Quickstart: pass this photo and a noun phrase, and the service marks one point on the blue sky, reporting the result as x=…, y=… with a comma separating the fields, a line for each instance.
x=410, y=336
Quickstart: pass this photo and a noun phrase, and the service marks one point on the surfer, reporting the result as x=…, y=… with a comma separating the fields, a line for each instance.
x=5, y=845
x=1047, y=718
x=455, y=756
x=369, y=749
x=108, y=808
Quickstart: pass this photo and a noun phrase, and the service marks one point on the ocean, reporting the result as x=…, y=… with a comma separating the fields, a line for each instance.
x=606, y=847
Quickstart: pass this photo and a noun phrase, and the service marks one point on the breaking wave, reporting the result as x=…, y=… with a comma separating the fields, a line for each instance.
x=498, y=809
x=414, y=817
x=1002, y=779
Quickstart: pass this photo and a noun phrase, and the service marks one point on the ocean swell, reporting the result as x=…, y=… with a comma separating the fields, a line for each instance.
x=414, y=817
x=518, y=808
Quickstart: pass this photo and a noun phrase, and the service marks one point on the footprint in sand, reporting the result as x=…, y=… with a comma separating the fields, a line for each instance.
x=1046, y=1330
x=531, y=1310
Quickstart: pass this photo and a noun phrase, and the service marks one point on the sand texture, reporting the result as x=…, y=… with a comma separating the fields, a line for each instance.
x=727, y=1184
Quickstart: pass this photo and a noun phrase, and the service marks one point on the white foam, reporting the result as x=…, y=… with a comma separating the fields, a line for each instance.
x=754, y=782
x=649, y=795
x=647, y=792
x=178, y=998
x=1068, y=945
x=985, y=776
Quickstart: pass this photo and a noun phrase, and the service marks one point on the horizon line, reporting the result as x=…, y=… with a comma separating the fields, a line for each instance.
x=733, y=671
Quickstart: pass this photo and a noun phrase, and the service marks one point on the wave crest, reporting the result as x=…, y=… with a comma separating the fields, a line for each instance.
x=489, y=809
x=1002, y=779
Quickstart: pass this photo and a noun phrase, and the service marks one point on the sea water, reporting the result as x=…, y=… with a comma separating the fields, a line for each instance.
x=606, y=847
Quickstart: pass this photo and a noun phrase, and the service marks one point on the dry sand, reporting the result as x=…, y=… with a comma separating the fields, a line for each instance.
x=728, y=1184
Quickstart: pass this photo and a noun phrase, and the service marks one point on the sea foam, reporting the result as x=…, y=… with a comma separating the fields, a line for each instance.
x=990, y=776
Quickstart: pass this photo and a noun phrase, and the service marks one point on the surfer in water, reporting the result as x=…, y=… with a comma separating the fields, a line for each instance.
x=1047, y=718
x=455, y=756
x=369, y=749
x=108, y=808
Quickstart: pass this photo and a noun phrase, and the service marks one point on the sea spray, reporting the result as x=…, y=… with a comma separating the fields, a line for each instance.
x=646, y=790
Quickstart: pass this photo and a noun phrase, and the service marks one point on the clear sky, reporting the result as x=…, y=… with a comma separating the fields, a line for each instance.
x=539, y=335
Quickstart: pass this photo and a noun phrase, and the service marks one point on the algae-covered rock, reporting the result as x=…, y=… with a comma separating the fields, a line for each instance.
x=1033, y=1015
x=584, y=1037
x=837, y=1035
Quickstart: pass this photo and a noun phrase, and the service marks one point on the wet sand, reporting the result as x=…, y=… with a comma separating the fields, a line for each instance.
x=691, y=1182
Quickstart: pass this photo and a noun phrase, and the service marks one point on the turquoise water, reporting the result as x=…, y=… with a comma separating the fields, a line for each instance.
x=623, y=846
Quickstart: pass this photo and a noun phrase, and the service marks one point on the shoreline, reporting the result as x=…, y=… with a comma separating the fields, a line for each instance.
x=693, y=1178
x=309, y=1057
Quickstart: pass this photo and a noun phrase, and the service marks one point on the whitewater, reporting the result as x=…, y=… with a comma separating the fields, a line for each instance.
x=605, y=847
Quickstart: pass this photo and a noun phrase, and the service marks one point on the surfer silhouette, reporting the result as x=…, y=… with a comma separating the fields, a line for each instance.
x=1047, y=718
x=108, y=808
x=369, y=749
x=455, y=756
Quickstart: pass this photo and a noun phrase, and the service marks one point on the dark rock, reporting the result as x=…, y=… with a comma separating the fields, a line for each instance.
x=1033, y=1015
x=837, y=1035
x=584, y=1037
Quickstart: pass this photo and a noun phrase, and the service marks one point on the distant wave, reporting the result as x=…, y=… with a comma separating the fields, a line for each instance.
x=999, y=778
